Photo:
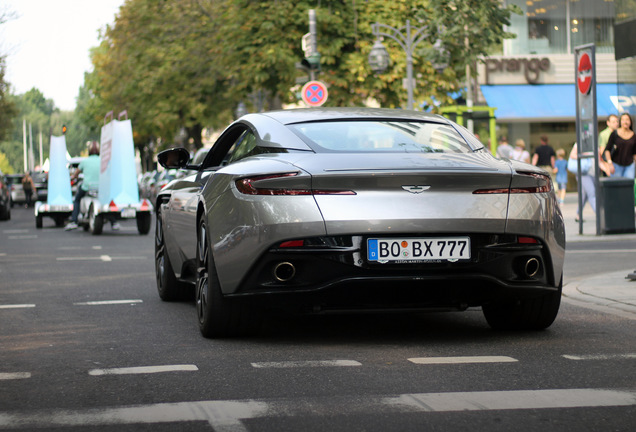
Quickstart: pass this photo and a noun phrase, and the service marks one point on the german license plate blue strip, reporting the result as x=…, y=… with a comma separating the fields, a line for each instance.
x=405, y=250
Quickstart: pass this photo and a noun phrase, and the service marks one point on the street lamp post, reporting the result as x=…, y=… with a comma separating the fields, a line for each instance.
x=408, y=37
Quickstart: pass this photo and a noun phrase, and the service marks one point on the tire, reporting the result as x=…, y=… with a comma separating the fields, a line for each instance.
x=38, y=221
x=95, y=222
x=527, y=314
x=219, y=316
x=143, y=222
x=169, y=288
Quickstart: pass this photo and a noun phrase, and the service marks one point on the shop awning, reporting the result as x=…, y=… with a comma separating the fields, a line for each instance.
x=547, y=102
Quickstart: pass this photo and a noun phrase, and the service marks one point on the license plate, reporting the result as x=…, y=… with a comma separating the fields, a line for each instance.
x=408, y=250
x=128, y=213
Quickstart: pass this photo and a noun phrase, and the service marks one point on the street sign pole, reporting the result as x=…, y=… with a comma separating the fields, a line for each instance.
x=586, y=122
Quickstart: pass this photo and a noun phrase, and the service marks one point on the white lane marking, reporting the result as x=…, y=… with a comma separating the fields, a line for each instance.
x=100, y=258
x=600, y=357
x=15, y=231
x=23, y=237
x=460, y=360
x=17, y=306
x=97, y=247
x=308, y=363
x=107, y=302
x=3, y=254
x=14, y=375
x=143, y=370
x=228, y=415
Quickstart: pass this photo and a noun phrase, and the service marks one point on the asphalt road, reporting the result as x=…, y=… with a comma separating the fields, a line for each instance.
x=87, y=345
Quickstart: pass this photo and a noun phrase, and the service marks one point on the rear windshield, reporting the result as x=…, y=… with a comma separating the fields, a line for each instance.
x=381, y=136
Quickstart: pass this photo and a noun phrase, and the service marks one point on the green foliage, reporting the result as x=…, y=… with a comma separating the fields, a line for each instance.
x=5, y=167
x=186, y=64
x=7, y=106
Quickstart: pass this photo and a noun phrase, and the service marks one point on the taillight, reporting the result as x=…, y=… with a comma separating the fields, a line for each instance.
x=112, y=206
x=546, y=186
x=247, y=187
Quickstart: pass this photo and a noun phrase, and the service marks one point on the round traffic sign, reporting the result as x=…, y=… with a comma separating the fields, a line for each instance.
x=314, y=93
x=584, y=78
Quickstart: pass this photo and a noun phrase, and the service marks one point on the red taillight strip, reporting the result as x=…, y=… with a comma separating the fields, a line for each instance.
x=547, y=187
x=247, y=187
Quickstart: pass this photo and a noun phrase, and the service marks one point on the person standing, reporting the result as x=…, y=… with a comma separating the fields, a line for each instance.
x=561, y=169
x=90, y=168
x=29, y=187
x=621, y=148
x=504, y=149
x=603, y=136
x=588, y=188
x=544, y=156
x=519, y=152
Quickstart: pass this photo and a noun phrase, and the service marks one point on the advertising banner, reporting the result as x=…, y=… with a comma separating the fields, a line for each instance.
x=59, y=182
x=118, y=175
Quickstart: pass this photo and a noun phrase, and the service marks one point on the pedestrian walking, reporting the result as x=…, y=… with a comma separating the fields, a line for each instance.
x=29, y=187
x=561, y=170
x=621, y=148
x=519, y=152
x=588, y=188
x=504, y=149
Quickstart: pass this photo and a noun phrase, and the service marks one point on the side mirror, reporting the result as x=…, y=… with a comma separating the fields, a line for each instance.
x=174, y=158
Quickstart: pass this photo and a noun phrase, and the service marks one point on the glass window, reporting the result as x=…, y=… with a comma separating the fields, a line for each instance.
x=557, y=26
x=382, y=136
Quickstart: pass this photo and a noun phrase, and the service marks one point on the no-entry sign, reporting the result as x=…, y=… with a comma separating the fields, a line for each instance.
x=584, y=76
x=314, y=93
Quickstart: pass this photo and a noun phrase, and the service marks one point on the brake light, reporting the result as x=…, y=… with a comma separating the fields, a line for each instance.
x=247, y=187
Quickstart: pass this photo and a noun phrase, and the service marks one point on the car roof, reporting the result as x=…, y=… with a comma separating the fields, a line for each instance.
x=324, y=114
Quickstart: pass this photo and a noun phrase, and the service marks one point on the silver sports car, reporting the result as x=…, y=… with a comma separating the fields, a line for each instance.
x=344, y=210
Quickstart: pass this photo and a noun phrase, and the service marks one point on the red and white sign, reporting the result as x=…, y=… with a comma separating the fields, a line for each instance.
x=314, y=93
x=584, y=78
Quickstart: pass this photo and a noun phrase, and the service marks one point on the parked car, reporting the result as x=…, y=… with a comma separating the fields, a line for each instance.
x=335, y=209
x=40, y=179
x=15, y=187
x=5, y=198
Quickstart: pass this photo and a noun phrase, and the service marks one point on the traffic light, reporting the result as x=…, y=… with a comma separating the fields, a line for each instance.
x=63, y=129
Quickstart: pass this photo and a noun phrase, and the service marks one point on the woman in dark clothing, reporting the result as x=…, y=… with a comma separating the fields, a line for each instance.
x=621, y=148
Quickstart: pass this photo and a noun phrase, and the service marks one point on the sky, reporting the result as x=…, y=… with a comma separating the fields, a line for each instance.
x=47, y=44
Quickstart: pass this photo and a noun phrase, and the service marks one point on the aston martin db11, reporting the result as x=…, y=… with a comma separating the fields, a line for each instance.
x=355, y=209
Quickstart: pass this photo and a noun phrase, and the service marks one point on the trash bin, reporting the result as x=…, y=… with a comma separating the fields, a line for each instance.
x=617, y=205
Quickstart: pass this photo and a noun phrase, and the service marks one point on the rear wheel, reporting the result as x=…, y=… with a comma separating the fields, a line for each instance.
x=95, y=222
x=143, y=222
x=38, y=221
x=527, y=314
x=168, y=286
x=219, y=316
x=5, y=213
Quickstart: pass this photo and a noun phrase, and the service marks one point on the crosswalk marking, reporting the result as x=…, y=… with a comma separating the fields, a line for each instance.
x=105, y=258
x=143, y=370
x=462, y=359
x=306, y=363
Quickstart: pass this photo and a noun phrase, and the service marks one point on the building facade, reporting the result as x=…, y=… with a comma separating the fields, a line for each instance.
x=532, y=84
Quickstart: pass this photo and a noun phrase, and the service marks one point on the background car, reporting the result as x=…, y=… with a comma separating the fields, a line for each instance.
x=15, y=186
x=40, y=180
x=346, y=210
x=5, y=198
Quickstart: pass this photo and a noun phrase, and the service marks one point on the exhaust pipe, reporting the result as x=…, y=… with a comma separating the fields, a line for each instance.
x=532, y=267
x=284, y=271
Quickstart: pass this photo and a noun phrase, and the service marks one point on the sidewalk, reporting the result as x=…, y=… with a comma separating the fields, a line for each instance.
x=609, y=292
